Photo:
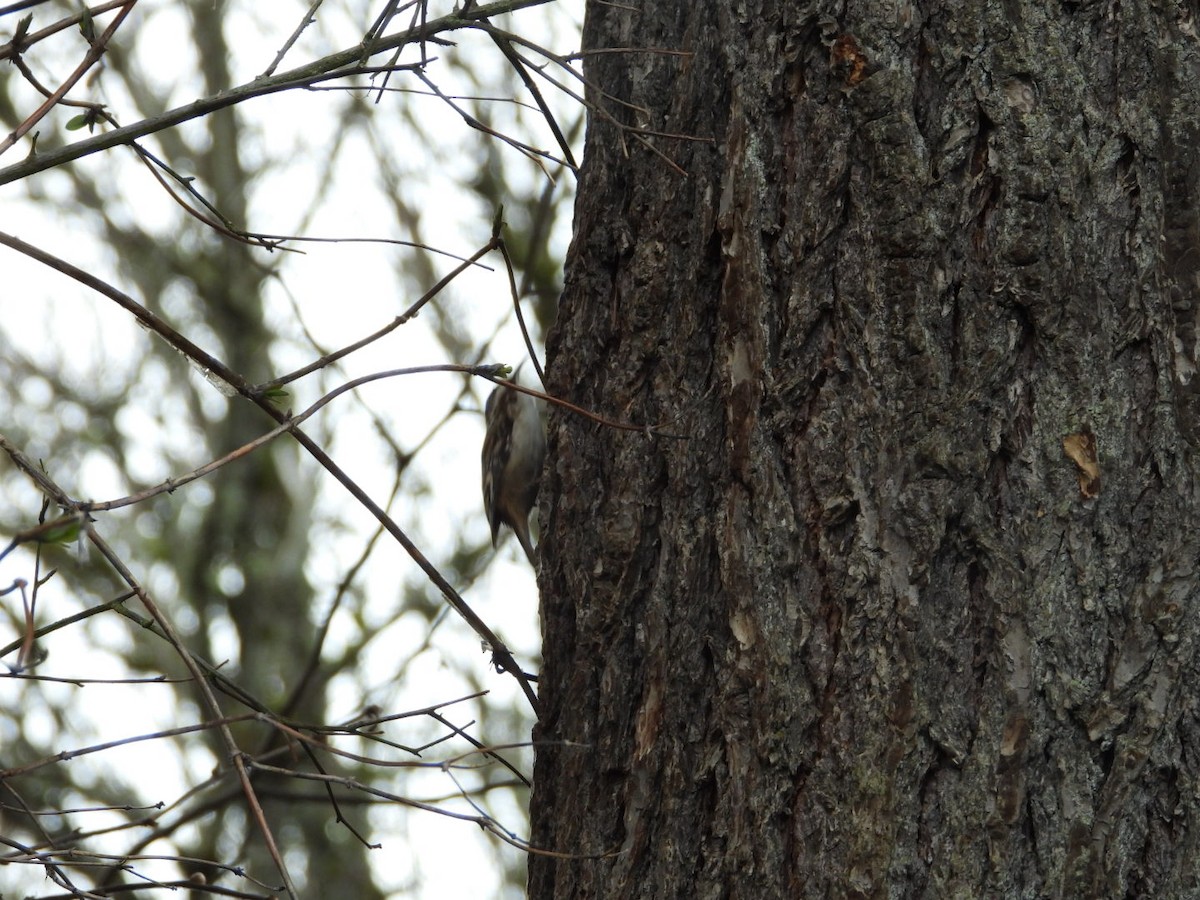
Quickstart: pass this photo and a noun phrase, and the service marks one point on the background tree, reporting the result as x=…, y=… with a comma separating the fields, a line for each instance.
x=306, y=613
x=909, y=610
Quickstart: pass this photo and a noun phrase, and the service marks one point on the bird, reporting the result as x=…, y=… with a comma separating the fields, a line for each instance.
x=514, y=449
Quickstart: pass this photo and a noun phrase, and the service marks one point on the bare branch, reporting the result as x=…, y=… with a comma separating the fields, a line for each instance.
x=337, y=65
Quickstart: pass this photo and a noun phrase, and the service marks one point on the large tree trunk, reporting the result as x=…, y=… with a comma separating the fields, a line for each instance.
x=912, y=611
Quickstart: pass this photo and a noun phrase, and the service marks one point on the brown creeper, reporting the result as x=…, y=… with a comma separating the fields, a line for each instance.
x=513, y=450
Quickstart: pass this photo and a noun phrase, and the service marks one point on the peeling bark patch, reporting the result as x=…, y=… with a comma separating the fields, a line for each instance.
x=1020, y=94
x=1015, y=736
x=745, y=376
x=846, y=55
x=648, y=721
x=743, y=629
x=1080, y=448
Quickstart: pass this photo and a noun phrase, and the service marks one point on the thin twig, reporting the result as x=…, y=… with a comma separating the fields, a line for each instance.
x=65, y=755
x=309, y=17
x=518, y=66
x=533, y=153
x=512, y=285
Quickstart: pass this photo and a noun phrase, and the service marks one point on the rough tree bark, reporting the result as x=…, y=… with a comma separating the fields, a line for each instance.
x=912, y=611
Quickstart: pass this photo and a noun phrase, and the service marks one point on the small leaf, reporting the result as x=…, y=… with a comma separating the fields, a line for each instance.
x=63, y=531
x=18, y=38
x=79, y=121
x=276, y=395
x=86, y=26
x=495, y=370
